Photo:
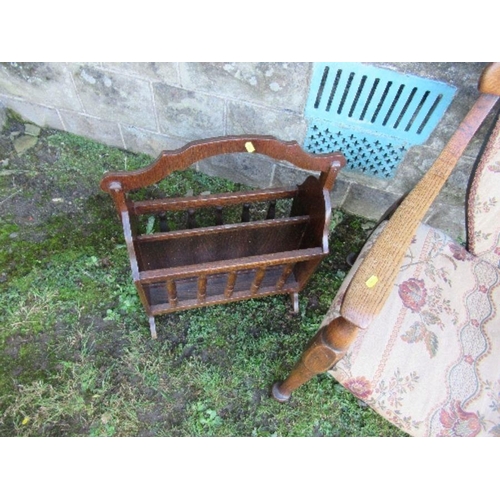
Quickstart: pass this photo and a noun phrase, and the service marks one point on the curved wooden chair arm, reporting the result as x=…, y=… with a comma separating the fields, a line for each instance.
x=170, y=161
x=373, y=281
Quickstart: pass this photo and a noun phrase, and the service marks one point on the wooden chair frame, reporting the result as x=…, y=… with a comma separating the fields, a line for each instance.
x=374, y=279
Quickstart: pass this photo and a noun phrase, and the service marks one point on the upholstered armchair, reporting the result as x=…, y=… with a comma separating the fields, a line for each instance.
x=414, y=331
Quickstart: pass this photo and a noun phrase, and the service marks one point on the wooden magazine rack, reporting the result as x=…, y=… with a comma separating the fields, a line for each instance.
x=177, y=269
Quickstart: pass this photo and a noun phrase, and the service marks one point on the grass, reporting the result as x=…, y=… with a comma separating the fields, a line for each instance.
x=76, y=357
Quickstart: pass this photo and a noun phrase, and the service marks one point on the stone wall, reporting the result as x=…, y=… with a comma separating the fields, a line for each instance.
x=148, y=107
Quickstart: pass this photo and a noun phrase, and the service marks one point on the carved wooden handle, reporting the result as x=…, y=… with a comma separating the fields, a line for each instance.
x=169, y=161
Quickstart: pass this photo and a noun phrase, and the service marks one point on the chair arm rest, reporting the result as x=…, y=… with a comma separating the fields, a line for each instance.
x=373, y=281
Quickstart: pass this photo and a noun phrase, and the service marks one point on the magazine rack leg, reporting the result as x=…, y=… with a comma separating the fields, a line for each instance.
x=152, y=327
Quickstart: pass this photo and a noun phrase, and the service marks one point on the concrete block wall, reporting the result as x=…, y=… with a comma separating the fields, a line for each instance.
x=149, y=107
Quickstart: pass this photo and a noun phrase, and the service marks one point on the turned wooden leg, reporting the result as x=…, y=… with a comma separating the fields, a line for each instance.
x=325, y=349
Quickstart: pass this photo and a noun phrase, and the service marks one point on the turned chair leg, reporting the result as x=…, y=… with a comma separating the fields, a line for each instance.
x=325, y=349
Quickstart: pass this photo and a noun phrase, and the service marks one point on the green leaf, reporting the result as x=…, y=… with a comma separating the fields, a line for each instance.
x=151, y=224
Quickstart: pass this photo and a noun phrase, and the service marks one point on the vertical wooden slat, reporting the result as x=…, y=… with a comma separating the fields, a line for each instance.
x=172, y=293
x=284, y=276
x=271, y=211
x=218, y=216
x=163, y=222
x=231, y=280
x=259, y=276
x=191, y=222
x=202, y=288
x=245, y=214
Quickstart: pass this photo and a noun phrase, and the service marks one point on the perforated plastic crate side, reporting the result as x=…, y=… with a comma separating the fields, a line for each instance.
x=372, y=115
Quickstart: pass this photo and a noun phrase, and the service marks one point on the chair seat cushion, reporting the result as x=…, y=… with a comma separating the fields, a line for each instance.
x=430, y=362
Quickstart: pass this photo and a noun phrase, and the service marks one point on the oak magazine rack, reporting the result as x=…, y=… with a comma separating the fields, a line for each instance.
x=221, y=262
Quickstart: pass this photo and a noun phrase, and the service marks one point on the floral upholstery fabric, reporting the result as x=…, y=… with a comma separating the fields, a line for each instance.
x=430, y=362
x=484, y=204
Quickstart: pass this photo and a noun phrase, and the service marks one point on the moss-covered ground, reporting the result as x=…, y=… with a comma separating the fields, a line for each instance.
x=76, y=356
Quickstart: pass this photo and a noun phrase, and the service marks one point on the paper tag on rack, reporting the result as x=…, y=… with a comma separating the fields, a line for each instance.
x=371, y=281
x=249, y=147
